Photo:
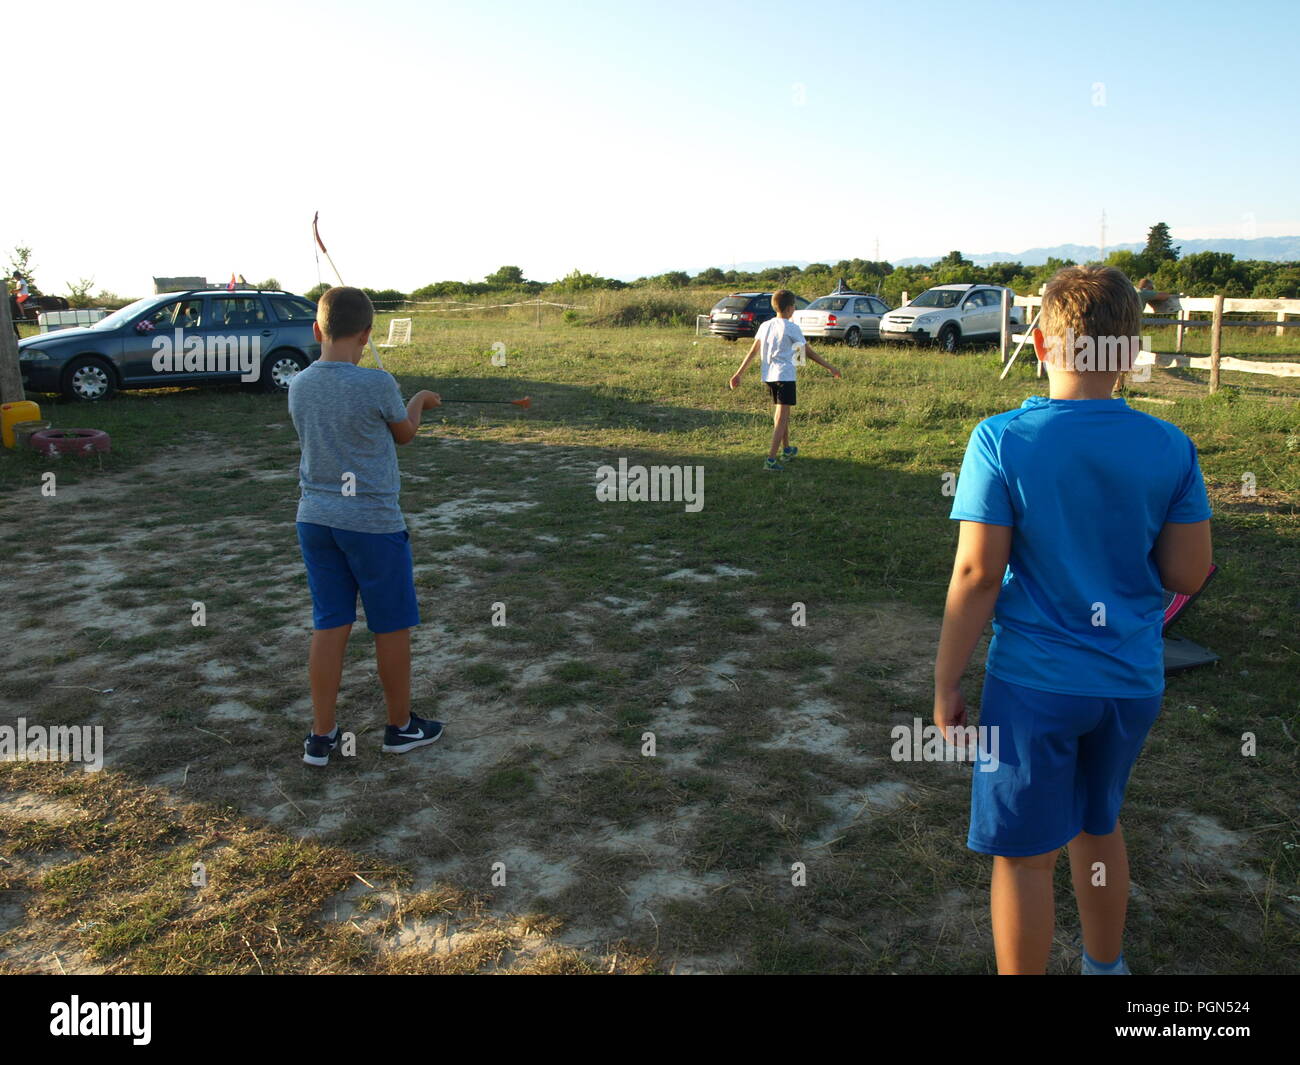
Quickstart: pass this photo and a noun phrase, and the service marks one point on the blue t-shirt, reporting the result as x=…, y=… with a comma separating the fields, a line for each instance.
x=348, y=473
x=1086, y=485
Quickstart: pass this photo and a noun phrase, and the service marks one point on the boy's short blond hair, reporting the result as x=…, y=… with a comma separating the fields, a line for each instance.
x=1090, y=301
x=782, y=300
x=344, y=312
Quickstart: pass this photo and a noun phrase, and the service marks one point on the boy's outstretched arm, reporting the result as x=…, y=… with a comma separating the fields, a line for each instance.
x=977, y=571
x=808, y=350
x=749, y=357
x=404, y=431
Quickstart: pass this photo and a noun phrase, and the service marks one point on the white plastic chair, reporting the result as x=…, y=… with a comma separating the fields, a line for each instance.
x=399, y=333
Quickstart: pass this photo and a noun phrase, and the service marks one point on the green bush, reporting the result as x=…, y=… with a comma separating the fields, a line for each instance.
x=649, y=310
x=385, y=298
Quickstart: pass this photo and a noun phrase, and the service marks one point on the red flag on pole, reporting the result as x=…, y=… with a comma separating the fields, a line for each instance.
x=231, y=287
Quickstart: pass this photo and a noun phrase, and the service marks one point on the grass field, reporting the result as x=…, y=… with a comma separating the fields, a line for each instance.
x=772, y=741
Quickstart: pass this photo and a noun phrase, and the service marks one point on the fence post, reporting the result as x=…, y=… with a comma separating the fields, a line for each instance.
x=1278, y=330
x=1006, y=324
x=1216, y=342
x=904, y=303
x=11, y=377
x=1180, y=329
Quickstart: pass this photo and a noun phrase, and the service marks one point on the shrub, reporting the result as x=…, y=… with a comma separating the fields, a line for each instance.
x=385, y=297
x=79, y=293
x=648, y=310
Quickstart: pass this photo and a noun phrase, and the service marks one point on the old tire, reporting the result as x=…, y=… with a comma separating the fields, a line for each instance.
x=70, y=441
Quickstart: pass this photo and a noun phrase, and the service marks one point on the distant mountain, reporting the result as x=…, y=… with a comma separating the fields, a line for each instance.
x=1274, y=249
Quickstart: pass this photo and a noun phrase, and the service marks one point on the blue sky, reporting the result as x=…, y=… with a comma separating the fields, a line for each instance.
x=441, y=140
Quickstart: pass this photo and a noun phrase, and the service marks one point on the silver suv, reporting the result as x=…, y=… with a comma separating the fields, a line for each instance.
x=951, y=314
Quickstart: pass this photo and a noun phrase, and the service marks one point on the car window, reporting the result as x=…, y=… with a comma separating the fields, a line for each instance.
x=800, y=303
x=293, y=309
x=864, y=306
x=732, y=303
x=161, y=316
x=237, y=312
x=761, y=303
x=828, y=303
x=123, y=315
x=189, y=315
x=938, y=297
x=973, y=302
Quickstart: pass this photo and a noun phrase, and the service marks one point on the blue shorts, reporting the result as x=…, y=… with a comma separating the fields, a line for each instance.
x=1063, y=762
x=341, y=563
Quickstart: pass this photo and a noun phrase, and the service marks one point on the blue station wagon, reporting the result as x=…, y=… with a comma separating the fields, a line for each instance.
x=198, y=337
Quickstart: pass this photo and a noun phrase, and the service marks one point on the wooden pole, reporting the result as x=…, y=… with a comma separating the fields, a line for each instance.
x=11, y=377
x=904, y=303
x=1180, y=329
x=1216, y=342
x=1279, y=331
x=1006, y=325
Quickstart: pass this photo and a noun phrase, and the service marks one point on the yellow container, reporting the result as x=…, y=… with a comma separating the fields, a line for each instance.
x=13, y=413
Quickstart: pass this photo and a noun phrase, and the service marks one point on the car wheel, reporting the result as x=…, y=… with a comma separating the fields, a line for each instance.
x=853, y=338
x=88, y=380
x=948, y=337
x=279, y=368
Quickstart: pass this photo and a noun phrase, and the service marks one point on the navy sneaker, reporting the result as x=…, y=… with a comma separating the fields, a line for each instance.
x=789, y=453
x=772, y=466
x=316, y=750
x=418, y=733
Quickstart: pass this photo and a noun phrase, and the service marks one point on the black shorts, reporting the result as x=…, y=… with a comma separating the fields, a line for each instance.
x=782, y=392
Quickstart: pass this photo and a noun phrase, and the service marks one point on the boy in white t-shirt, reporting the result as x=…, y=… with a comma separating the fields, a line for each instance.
x=779, y=340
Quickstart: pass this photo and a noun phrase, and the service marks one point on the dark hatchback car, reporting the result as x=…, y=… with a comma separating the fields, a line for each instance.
x=176, y=339
x=740, y=314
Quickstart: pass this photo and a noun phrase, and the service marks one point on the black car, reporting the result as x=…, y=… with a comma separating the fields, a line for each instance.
x=740, y=314
x=199, y=337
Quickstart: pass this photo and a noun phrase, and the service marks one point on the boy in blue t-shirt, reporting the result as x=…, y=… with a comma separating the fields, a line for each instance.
x=350, y=526
x=1075, y=510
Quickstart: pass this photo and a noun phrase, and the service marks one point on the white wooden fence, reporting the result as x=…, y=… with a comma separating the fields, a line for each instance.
x=1181, y=307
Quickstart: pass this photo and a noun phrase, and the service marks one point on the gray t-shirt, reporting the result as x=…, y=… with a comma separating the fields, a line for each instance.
x=341, y=412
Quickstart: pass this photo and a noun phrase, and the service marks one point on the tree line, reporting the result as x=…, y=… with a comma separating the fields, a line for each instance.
x=1201, y=274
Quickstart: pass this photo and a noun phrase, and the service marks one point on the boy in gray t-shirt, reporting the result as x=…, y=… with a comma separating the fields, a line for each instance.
x=350, y=525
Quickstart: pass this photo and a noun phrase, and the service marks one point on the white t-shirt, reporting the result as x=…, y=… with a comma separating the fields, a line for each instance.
x=777, y=338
